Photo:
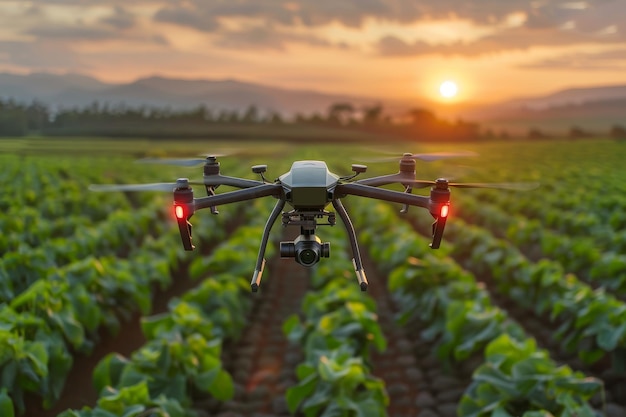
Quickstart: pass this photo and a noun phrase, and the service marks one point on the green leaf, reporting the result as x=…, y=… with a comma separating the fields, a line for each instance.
x=223, y=388
x=501, y=412
x=108, y=371
x=205, y=380
x=134, y=410
x=6, y=404
x=585, y=387
x=127, y=396
x=71, y=328
x=297, y=394
x=304, y=370
x=541, y=413
x=497, y=379
x=591, y=356
x=609, y=337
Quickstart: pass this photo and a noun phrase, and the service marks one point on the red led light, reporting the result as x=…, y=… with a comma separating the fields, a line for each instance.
x=180, y=212
x=444, y=211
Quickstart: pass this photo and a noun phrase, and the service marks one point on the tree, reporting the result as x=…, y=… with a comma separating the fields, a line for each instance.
x=275, y=118
x=13, y=122
x=251, y=115
x=578, y=133
x=372, y=114
x=340, y=113
x=535, y=133
x=422, y=117
x=618, y=132
x=37, y=116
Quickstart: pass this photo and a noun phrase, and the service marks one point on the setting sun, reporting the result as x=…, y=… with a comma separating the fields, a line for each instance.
x=448, y=89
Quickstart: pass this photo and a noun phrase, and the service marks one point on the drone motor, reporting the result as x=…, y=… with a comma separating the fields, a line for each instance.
x=183, y=210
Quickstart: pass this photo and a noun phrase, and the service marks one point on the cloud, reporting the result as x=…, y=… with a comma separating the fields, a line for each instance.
x=120, y=19
x=203, y=15
x=40, y=56
x=546, y=26
x=188, y=17
x=268, y=37
x=543, y=21
x=611, y=60
x=77, y=32
x=350, y=13
x=502, y=41
x=275, y=24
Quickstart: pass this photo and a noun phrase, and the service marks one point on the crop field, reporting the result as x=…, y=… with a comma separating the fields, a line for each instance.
x=521, y=312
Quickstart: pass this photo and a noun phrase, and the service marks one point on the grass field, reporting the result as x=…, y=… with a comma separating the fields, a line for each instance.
x=522, y=310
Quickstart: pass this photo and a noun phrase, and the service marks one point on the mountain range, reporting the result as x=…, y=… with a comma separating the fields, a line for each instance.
x=73, y=90
x=593, y=108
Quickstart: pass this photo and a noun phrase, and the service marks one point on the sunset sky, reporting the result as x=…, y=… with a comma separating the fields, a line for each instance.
x=492, y=49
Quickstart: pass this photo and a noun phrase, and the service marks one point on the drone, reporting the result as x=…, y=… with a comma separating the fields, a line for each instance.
x=308, y=188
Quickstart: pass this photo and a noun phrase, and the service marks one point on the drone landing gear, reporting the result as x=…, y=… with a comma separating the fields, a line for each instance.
x=307, y=249
x=356, y=254
x=260, y=261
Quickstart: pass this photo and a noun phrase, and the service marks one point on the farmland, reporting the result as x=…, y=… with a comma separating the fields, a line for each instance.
x=523, y=309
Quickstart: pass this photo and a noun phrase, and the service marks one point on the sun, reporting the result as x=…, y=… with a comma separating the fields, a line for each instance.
x=448, y=89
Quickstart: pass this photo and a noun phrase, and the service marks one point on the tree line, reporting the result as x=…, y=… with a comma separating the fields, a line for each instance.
x=97, y=119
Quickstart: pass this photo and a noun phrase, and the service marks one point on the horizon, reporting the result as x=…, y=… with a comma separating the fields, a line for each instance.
x=387, y=49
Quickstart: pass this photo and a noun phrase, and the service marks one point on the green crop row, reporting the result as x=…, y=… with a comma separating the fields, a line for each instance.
x=61, y=312
x=119, y=235
x=591, y=322
x=182, y=356
x=516, y=377
x=337, y=330
x=581, y=190
x=597, y=258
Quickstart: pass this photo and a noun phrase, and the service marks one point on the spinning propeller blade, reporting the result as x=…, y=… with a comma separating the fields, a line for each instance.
x=159, y=186
x=185, y=162
x=428, y=157
x=516, y=186
x=162, y=186
x=172, y=161
x=437, y=156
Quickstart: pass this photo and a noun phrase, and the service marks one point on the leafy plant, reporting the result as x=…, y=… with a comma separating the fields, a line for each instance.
x=132, y=401
x=339, y=385
x=518, y=379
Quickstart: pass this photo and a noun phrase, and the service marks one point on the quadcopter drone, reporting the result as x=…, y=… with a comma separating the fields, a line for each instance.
x=308, y=187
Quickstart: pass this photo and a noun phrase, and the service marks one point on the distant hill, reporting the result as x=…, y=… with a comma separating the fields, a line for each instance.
x=571, y=96
x=73, y=90
x=595, y=109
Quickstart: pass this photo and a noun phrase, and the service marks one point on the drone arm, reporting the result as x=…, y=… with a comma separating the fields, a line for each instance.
x=259, y=191
x=356, y=255
x=260, y=260
x=359, y=189
x=230, y=181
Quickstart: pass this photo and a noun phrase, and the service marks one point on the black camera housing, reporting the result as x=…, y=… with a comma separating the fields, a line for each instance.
x=306, y=249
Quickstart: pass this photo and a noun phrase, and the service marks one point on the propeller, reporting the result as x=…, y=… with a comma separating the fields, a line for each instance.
x=159, y=186
x=428, y=157
x=516, y=186
x=185, y=162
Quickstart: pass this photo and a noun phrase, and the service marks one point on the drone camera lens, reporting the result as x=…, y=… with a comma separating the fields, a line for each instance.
x=308, y=256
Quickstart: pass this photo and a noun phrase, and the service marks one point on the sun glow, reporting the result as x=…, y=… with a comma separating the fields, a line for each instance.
x=448, y=89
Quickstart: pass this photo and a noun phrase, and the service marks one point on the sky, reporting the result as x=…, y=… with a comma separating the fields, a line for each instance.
x=493, y=49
